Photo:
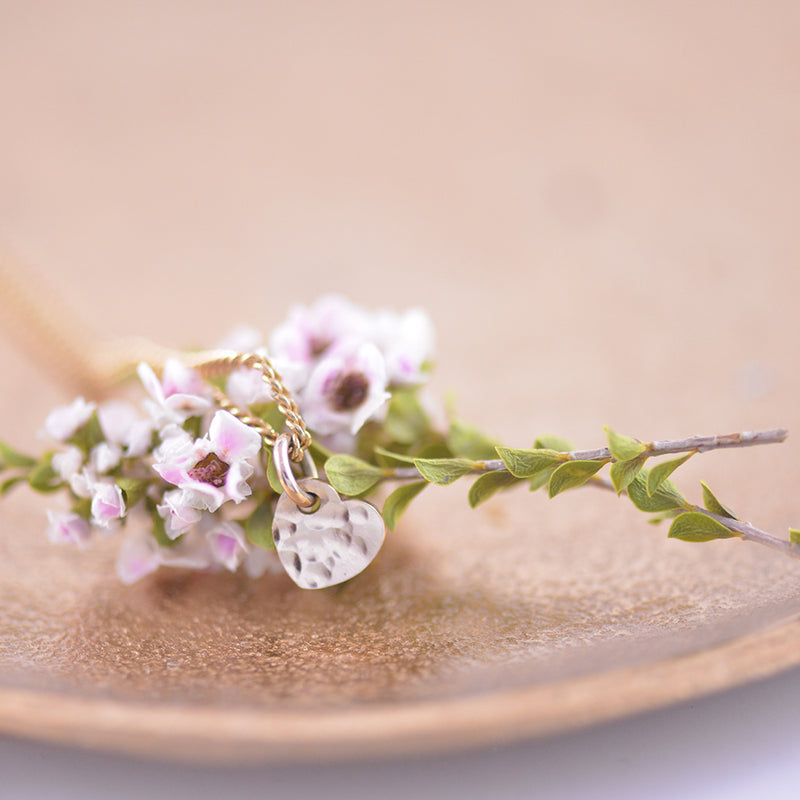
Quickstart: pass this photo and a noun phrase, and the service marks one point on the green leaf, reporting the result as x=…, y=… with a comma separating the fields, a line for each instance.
x=269, y=413
x=623, y=448
x=712, y=504
x=444, y=471
x=549, y=442
x=467, y=441
x=526, y=463
x=7, y=485
x=661, y=471
x=11, y=458
x=572, y=474
x=88, y=435
x=390, y=459
x=794, y=536
x=83, y=507
x=258, y=526
x=665, y=498
x=406, y=421
x=541, y=479
x=43, y=478
x=352, y=476
x=397, y=502
x=134, y=489
x=488, y=484
x=272, y=475
x=159, y=532
x=623, y=472
x=694, y=526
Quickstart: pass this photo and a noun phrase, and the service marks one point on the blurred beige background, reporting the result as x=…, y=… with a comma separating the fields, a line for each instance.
x=595, y=202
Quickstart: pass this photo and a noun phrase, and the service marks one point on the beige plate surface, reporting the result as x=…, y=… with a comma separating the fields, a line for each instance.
x=598, y=208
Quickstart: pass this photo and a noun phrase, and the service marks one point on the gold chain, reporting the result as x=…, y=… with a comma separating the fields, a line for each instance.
x=300, y=438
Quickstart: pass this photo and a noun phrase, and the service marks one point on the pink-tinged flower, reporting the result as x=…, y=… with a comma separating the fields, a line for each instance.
x=122, y=426
x=310, y=331
x=67, y=528
x=64, y=421
x=228, y=544
x=179, y=394
x=212, y=469
x=346, y=388
x=108, y=504
x=179, y=512
x=140, y=555
x=137, y=557
x=68, y=463
x=82, y=483
x=407, y=343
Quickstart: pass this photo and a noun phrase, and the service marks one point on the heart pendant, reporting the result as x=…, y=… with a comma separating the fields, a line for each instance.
x=329, y=545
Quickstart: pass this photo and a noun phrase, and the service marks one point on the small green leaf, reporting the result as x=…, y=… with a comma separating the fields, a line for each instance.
x=526, y=463
x=406, y=421
x=488, y=484
x=83, y=507
x=549, y=442
x=467, y=441
x=665, y=498
x=159, y=531
x=572, y=474
x=7, y=485
x=444, y=471
x=391, y=459
x=352, y=476
x=661, y=471
x=541, y=479
x=272, y=475
x=694, y=526
x=397, y=502
x=258, y=526
x=623, y=472
x=43, y=478
x=88, y=435
x=623, y=448
x=134, y=489
x=712, y=504
x=269, y=413
x=794, y=536
x=11, y=458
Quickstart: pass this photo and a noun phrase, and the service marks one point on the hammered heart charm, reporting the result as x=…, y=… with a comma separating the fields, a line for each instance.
x=330, y=544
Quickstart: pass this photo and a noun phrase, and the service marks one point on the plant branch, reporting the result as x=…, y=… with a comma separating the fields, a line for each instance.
x=699, y=444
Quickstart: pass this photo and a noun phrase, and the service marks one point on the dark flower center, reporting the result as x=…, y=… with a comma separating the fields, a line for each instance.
x=211, y=469
x=350, y=391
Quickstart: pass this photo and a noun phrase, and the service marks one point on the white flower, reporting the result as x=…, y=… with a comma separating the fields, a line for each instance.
x=62, y=422
x=177, y=396
x=228, y=544
x=179, y=511
x=68, y=463
x=108, y=504
x=310, y=331
x=67, y=528
x=212, y=469
x=82, y=483
x=122, y=426
x=407, y=343
x=105, y=457
x=260, y=560
x=346, y=388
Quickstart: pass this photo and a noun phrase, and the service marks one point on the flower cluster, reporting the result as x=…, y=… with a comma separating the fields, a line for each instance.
x=195, y=475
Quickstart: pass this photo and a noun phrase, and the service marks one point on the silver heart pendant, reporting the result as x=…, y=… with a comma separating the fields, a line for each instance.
x=330, y=544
